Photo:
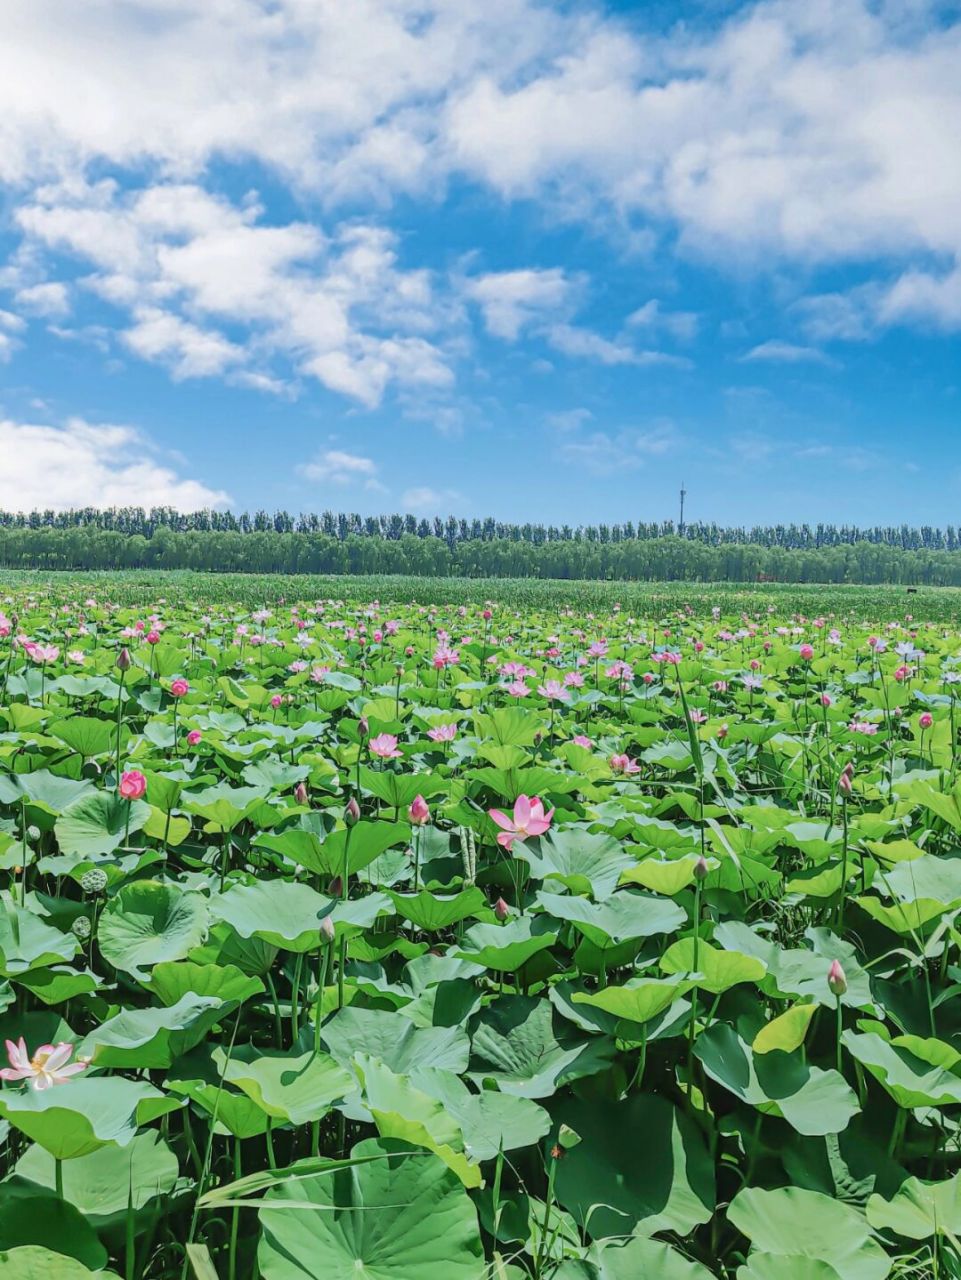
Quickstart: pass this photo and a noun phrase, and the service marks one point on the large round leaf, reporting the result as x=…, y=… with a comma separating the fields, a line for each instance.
x=640, y=1165
x=96, y=824
x=79, y=1117
x=148, y=922
x=405, y=1217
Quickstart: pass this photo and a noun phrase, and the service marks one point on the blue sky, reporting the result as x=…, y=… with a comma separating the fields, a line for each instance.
x=535, y=260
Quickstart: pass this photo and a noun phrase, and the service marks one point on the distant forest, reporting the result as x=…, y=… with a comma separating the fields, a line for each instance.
x=343, y=542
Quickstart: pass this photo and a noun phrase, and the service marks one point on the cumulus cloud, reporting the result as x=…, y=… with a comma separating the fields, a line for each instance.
x=336, y=467
x=182, y=263
x=84, y=464
x=513, y=300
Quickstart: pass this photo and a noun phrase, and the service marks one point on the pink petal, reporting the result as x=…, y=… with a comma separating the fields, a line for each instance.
x=72, y=1070
x=507, y=838
x=501, y=819
x=60, y=1055
x=522, y=811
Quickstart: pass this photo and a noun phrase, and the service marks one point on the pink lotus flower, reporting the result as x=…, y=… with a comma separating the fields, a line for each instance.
x=518, y=689
x=623, y=764
x=42, y=653
x=529, y=819
x=553, y=691
x=47, y=1067
x=153, y=637
x=418, y=812
x=132, y=784
x=179, y=687
x=443, y=733
x=696, y=716
x=581, y=740
x=807, y=652
x=385, y=746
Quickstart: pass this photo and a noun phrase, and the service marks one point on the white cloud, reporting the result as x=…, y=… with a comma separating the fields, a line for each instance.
x=604, y=453
x=89, y=464
x=189, y=351
x=775, y=351
x=513, y=300
x=181, y=262
x=571, y=340
x=567, y=420
x=423, y=500
x=682, y=325
x=50, y=299
x=335, y=466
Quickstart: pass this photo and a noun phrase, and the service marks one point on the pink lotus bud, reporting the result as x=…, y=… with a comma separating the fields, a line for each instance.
x=153, y=637
x=409, y=651
x=336, y=887
x=807, y=652
x=351, y=812
x=300, y=793
x=276, y=701
x=132, y=784
x=837, y=982
x=327, y=929
x=418, y=812
x=825, y=699
x=123, y=659
x=363, y=728
x=194, y=737
x=179, y=687
x=501, y=909
x=844, y=781
x=925, y=720
x=487, y=615
x=701, y=869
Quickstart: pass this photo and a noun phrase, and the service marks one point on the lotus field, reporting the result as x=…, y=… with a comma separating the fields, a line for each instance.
x=405, y=942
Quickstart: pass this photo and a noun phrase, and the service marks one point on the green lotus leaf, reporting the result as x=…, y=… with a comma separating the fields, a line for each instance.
x=506, y=947
x=152, y=1038
x=517, y=1046
x=916, y=1073
x=296, y=1086
x=394, y=1040
x=402, y=1217
x=718, y=970
x=663, y=876
x=99, y=1184
x=73, y=1119
x=584, y=862
x=794, y=1222
x=149, y=922
x=433, y=912
x=610, y=1183
x=97, y=824
x=919, y=1210
x=812, y=1101
x=33, y=1262
x=174, y=979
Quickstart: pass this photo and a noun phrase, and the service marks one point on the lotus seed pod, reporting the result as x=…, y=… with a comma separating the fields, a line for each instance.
x=33, y=834
x=93, y=881
x=81, y=927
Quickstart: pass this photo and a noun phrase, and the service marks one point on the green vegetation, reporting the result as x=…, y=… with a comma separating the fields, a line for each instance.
x=584, y=934
x=397, y=545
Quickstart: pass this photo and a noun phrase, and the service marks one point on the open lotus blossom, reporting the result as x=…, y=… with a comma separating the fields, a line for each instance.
x=385, y=746
x=528, y=819
x=553, y=691
x=623, y=764
x=582, y=740
x=443, y=733
x=42, y=653
x=50, y=1064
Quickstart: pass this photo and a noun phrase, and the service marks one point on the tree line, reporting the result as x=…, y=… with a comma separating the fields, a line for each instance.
x=343, y=526
x=665, y=558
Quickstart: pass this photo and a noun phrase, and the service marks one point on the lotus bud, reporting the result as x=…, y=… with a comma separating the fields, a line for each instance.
x=567, y=1138
x=336, y=887
x=701, y=869
x=326, y=929
x=418, y=812
x=300, y=793
x=351, y=812
x=123, y=660
x=844, y=781
x=501, y=909
x=837, y=982
x=363, y=728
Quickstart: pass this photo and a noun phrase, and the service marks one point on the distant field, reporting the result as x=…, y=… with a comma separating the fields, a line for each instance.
x=933, y=604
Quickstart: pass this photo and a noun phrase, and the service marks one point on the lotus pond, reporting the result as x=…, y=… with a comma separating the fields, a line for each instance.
x=473, y=942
